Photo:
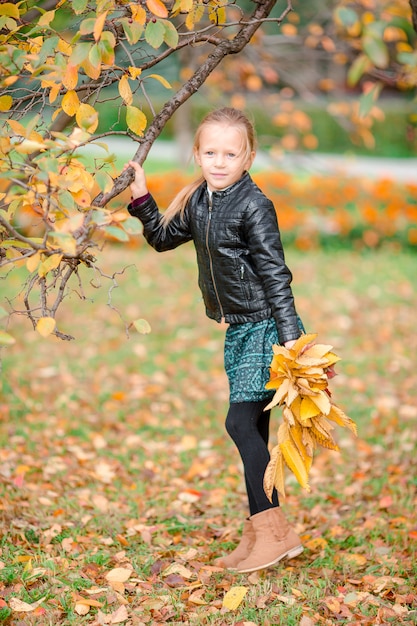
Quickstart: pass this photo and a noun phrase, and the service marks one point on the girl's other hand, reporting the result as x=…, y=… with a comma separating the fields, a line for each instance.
x=138, y=186
x=289, y=344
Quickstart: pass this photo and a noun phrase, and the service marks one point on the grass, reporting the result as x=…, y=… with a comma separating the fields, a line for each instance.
x=113, y=454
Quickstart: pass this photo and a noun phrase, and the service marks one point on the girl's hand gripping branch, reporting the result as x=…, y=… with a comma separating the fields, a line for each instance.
x=138, y=187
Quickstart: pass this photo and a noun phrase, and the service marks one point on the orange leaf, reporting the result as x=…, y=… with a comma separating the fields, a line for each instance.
x=157, y=7
x=98, y=26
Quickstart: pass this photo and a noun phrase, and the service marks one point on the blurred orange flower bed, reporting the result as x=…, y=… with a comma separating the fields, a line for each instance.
x=327, y=210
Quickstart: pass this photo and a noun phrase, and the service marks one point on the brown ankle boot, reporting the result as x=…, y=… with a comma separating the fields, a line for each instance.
x=274, y=540
x=242, y=551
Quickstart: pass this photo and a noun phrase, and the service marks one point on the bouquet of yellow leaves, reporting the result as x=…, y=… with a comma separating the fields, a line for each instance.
x=300, y=376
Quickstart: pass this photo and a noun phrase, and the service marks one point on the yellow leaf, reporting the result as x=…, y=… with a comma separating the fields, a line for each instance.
x=33, y=261
x=10, y=10
x=339, y=417
x=98, y=26
x=82, y=198
x=308, y=409
x=161, y=79
x=70, y=103
x=234, y=597
x=87, y=118
x=274, y=474
x=303, y=341
x=49, y=264
x=28, y=146
x=322, y=400
x=138, y=13
x=5, y=103
x=64, y=241
x=92, y=71
x=70, y=78
x=17, y=127
x=54, y=92
x=46, y=326
x=294, y=461
x=354, y=559
x=135, y=119
x=134, y=72
x=125, y=90
x=142, y=326
x=157, y=7
x=296, y=434
x=316, y=544
x=318, y=350
x=46, y=18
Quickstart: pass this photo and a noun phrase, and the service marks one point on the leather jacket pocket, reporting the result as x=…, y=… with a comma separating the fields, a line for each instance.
x=245, y=282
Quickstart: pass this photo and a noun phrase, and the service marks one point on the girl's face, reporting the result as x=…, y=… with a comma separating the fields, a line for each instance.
x=222, y=156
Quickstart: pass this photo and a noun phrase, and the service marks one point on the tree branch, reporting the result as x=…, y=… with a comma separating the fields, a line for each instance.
x=223, y=49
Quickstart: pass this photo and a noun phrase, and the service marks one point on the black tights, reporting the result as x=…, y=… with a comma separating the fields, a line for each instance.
x=248, y=425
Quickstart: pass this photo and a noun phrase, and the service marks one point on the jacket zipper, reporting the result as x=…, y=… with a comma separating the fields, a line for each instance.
x=211, y=260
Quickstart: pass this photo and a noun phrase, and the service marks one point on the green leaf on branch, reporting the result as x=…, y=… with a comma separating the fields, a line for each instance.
x=133, y=31
x=6, y=339
x=171, y=35
x=155, y=33
x=367, y=100
x=142, y=326
x=132, y=226
x=79, y=6
x=116, y=233
x=345, y=16
x=376, y=50
x=358, y=68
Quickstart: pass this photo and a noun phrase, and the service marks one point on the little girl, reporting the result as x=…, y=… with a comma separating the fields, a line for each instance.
x=245, y=282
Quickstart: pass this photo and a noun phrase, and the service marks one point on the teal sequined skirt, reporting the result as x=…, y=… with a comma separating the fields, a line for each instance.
x=247, y=358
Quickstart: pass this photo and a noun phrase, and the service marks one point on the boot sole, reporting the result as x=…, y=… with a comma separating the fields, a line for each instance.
x=291, y=554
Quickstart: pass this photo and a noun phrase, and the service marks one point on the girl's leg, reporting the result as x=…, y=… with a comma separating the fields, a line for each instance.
x=268, y=537
x=248, y=425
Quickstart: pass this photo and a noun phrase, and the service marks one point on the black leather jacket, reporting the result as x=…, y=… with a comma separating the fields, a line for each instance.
x=242, y=272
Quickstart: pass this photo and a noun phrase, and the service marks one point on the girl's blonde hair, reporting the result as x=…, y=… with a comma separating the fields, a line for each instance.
x=227, y=116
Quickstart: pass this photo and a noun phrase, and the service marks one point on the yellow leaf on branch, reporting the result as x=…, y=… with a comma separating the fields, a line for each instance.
x=135, y=119
x=70, y=103
x=46, y=326
x=87, y=118
x=125, y=90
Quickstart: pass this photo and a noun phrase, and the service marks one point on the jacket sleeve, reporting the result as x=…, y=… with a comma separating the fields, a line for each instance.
x=160, y=237
x=266, y=250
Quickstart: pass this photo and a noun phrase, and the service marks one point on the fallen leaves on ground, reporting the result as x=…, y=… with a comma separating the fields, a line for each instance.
x=120, y=485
